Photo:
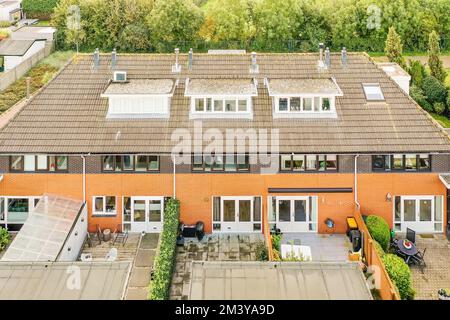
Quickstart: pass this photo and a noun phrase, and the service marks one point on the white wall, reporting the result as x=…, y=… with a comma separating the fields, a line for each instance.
x=12, y=61
x=75, y=239
x=4, y=11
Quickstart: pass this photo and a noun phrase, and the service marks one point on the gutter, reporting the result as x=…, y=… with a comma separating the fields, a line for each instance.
x=84, y=177
x=356, y=182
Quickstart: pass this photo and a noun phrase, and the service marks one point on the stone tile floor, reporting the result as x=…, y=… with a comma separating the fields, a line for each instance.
x=437, y=273
x=229, y=247
x=324, y=247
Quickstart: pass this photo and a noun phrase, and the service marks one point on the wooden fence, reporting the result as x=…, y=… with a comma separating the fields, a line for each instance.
x=9, y=77
x=386, y=287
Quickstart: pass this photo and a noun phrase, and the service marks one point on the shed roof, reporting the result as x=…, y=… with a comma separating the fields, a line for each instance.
x=199, y=87
x=141, y=86
x=49, y=281
x=277, y=281
x=10, y=47
x=303, y=86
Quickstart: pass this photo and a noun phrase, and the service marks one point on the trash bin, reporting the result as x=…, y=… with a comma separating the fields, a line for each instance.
x=106, y=235
x=200, y=230
x=448, y=231
x=355, y=239
x=351, y=225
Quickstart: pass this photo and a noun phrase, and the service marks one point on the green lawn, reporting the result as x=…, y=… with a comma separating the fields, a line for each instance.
x=443, y=120
x=42, y=23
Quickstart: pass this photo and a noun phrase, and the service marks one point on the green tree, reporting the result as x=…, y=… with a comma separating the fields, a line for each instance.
x=172, y=21
x=277, y=21
x=134, y=38
x=434, y=60
x=394, y=48
x=228, y=20
x=75, y=37
x=417, y=71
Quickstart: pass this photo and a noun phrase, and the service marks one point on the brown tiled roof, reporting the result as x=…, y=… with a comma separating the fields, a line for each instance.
x=69, y=115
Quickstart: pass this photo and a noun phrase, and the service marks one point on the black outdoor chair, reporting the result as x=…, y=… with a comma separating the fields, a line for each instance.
x=419, y=259
x=411, y=235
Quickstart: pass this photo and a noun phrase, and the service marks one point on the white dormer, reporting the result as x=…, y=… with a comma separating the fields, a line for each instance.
x=139, y=98
x=303, y=98
x=221, y=98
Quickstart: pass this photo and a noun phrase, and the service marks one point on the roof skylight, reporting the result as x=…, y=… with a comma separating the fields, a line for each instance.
x=373, y=92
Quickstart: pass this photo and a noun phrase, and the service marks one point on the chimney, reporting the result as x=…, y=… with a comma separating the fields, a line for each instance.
x=96, y=58
x=191, y=58
x=321, y=63
x=344, y=56
x=114, y=58
x=327, y=57
x=176, y=68
x=254, y=68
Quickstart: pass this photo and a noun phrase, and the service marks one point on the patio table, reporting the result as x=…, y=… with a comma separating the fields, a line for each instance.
x=408, y=252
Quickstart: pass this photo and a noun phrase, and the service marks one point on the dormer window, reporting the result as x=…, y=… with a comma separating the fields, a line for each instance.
x=373, y=92
x=120, y=76
x=221, y=98
x=139, y=98
x=303, y=98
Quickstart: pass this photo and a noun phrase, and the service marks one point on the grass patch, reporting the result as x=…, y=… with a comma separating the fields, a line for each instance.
x=42, y=23
x=40, y=74
x=443, y=120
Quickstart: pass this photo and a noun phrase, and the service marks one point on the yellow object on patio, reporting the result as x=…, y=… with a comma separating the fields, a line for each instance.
x=351, y=223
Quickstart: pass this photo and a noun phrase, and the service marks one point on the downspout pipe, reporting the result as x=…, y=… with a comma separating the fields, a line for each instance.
x=356, y=182
x=174, y=177
x=84, y=177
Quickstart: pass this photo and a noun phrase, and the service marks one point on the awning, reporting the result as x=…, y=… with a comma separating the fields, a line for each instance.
x=277, y=281
x=45, y=231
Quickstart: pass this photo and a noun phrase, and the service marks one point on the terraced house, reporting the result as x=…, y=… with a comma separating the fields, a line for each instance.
x=347, y=133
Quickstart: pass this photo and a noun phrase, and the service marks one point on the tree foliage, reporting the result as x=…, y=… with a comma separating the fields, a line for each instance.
x=434, y=60
x=40, y=9
x=394, y=48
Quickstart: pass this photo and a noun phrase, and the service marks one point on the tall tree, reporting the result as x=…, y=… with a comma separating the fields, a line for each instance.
x=434, y=60
x=174, y=20
x=394, y=48
x=228, y=20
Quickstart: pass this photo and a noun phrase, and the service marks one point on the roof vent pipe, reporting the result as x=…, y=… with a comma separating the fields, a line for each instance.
x=176, y=67
x=191, y=58
x=344, y=56
x=96, y=58
x=327, y=57
x=114, y=58
x=254, y=68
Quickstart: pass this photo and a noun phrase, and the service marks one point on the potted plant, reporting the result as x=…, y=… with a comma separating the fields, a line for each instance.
x=444, y=294
x=4, y=33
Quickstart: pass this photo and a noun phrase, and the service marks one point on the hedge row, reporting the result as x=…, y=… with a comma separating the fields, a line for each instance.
x=379, y=229
x=165, y=260
x=400, y=275
x=39, y=9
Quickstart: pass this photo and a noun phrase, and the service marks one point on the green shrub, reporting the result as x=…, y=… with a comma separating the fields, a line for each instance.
x=276, y=241
x=261, y=252
x=418, y=96
x=379, y=230
x=4, y=238
x=39, y=9
x=448, y=99
x=378, y=248
x=164, y=262
x=400, y=275
x=5, y=24
x=417, y=71
x=434, y=90
x=439, y=108
x=4, y=33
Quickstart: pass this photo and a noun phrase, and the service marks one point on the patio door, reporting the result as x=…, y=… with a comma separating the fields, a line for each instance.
x=293, y=214
x=237, y=214
x=146, y=214
x=420, y=213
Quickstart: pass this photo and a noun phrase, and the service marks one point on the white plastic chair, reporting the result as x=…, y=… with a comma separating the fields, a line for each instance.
x=111, y=255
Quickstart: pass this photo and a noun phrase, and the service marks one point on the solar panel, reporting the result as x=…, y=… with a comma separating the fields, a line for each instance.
x=45, y=231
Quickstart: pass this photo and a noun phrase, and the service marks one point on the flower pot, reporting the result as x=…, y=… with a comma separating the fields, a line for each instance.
x=442, y=297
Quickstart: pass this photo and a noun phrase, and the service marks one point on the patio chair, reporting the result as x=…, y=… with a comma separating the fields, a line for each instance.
x=411, y=235
x=419, y=259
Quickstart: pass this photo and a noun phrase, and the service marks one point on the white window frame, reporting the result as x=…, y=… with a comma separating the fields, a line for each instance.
x=366, y=86
x=103, y=212
x=223, y=99
x=417, y=204
x=313, y=110
x=311, y=202
x=6, y=199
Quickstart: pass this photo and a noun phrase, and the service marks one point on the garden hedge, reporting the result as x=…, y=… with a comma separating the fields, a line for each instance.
x=379, y=230
x=434, y=90
x=39, y=9
x=400, y=275
x=165, y=260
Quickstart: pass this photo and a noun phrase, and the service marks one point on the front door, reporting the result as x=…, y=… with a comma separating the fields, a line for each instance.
x=294, y=214
x=147, y=214
x=417, y=213
x=237, y=213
